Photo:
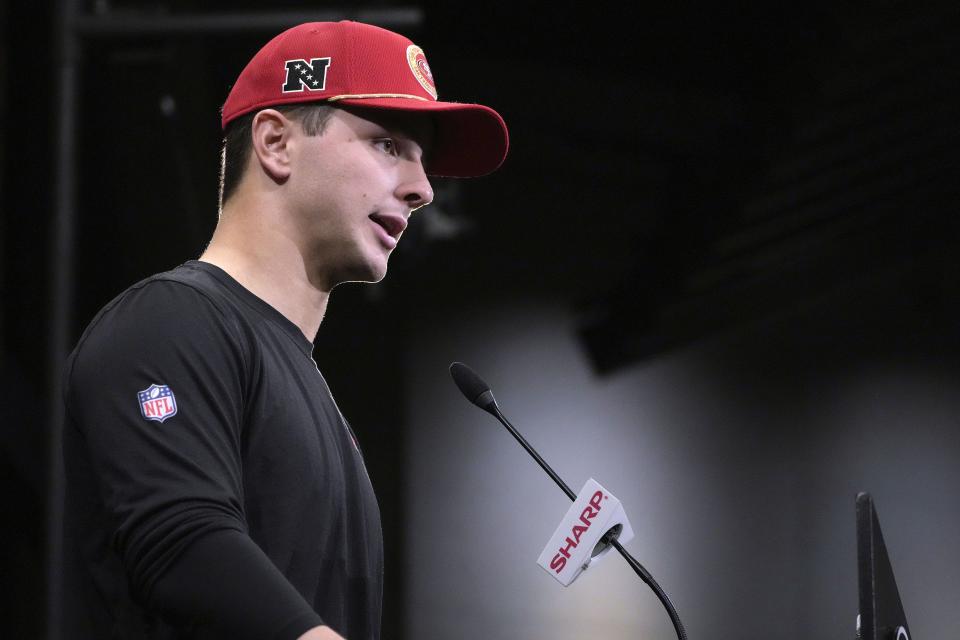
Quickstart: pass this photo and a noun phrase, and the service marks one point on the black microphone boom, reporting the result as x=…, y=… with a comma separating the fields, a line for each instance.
x=478, y=392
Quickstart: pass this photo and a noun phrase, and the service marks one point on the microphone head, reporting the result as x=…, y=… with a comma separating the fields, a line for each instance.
x=472, y=386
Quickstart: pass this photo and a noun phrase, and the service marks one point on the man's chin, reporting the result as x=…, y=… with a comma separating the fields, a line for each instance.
x=369, y=274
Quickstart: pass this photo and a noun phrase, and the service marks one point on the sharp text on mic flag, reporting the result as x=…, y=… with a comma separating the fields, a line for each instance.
x=580, y=538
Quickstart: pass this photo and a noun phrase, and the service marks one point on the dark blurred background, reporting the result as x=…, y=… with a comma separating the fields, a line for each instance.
x=718, y=272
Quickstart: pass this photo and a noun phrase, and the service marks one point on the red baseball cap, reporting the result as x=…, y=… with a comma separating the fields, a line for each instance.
x=357, y=64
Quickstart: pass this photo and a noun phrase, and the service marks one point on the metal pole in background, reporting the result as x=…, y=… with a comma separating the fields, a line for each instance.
x=60, y=297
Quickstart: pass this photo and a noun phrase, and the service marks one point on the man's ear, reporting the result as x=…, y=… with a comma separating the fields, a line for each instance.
x=271, y=132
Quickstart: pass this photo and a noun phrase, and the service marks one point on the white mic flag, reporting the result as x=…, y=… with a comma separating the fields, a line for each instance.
x=577, y=541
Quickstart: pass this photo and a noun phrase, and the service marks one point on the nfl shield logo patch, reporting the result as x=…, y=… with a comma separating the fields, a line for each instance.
x=157, y=402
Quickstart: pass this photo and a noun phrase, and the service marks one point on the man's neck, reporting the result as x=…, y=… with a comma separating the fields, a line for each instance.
x=269, y=265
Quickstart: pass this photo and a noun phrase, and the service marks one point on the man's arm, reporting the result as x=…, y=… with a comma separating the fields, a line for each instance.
x=173, y=489
x=224, y=582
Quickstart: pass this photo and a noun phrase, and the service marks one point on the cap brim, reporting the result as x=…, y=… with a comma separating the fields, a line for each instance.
x=471, y=139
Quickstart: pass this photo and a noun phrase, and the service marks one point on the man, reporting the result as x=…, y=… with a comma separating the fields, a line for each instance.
x=214, y=488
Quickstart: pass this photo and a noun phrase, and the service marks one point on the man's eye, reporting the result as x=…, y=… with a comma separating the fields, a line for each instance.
x=387, y=145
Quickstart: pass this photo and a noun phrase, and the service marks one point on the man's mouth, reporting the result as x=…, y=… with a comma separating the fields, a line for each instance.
x=393, y=224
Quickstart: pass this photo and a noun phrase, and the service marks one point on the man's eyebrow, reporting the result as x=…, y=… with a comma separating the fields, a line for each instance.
x=421, y=129
x=425, y=138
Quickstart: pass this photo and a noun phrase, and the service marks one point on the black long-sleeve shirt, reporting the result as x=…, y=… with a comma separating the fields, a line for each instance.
x=213, y=487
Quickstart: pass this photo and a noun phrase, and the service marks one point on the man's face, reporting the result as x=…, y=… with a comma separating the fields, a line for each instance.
x=352, y=189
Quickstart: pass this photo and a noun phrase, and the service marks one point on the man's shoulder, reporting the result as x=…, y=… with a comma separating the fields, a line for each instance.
x=183, y=305
x=162, y=296
x=171, y=329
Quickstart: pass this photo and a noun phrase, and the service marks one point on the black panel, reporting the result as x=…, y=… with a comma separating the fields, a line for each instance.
x=881, y=612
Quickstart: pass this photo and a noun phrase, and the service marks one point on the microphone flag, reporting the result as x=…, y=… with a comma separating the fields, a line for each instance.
x=584, y=536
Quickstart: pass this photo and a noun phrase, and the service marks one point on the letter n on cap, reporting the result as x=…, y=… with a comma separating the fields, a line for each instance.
x=306, y=75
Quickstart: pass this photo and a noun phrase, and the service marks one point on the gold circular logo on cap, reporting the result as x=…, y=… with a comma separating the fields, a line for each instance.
x=421, y=70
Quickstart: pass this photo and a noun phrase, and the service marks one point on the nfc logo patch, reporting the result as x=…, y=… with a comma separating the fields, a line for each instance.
x=157, y=402
x=421, y=70
x=306, y=75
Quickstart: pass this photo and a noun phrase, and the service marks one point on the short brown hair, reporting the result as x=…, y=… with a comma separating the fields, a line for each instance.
x=238, y=143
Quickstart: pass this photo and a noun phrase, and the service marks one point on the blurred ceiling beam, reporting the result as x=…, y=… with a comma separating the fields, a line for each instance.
x=127, y=22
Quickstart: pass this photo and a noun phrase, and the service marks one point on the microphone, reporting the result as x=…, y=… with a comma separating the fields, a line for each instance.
x=479, y=393
x=473, y=387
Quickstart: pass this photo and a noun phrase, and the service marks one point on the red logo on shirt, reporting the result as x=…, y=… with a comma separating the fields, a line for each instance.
x=157, y=402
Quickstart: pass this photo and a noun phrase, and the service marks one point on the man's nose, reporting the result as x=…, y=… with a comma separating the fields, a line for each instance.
x=415, y=189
